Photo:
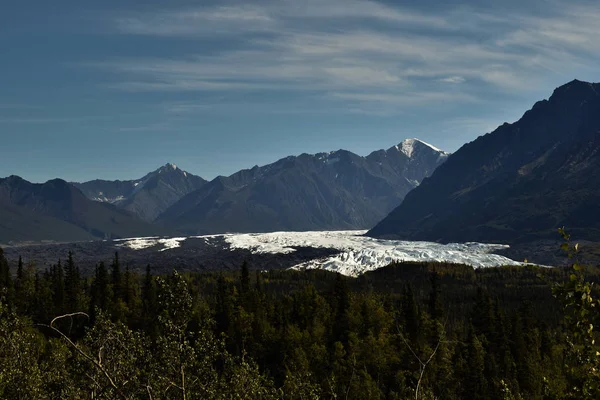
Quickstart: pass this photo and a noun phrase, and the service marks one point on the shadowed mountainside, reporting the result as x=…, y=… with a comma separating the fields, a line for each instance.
x=517, y=184
x=337, y=190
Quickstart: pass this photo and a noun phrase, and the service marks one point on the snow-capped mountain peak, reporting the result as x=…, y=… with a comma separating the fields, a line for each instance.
x=168, y=167
x=408, y=146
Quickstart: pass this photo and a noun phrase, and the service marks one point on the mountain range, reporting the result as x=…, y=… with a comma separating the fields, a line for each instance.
x=517, y=184
x=58, y=211
x=325, y=191
x=147, y=197
x=336, y=190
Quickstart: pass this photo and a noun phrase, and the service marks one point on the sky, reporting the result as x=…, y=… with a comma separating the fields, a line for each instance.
x=115, y=89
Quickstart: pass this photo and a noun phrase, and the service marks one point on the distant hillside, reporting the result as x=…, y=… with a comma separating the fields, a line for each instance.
x=58, y=211
x=516, y=184
x=146, y=197
x=336, y=190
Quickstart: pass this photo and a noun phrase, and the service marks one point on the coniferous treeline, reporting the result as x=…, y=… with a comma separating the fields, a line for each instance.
x=415, y=330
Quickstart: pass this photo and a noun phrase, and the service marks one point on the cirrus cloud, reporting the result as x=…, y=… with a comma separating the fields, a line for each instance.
x=338, y=48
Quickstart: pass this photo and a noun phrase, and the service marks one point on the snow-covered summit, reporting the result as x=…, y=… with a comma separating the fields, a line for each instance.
x=408, y=147
x=168, y=167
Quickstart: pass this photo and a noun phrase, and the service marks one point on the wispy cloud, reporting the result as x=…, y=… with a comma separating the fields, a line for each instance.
x=160, y=126
x=42, y=120
x=414, y=97
x=272, y=16
x=198, y=22
x=9, y=106
x=362, y=51
x=453, y=79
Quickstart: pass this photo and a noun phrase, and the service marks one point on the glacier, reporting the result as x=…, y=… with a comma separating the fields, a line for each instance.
x=357, y=253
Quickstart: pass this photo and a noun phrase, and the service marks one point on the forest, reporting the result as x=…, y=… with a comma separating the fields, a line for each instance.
x=407, y=331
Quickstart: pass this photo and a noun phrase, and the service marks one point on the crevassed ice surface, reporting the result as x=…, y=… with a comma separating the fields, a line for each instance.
x=147, y=242
x=358, y=253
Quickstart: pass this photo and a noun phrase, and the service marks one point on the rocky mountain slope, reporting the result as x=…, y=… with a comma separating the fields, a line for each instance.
x=57, y=211
x=517, y=184
x=336, y=190
x=146, y=197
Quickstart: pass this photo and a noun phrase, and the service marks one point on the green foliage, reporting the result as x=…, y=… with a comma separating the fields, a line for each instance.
x=20, y=375
x=581, y=317
x=414, y=330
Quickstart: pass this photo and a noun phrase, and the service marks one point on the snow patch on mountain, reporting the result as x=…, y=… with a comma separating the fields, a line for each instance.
x=408, y=147
x=101, y=198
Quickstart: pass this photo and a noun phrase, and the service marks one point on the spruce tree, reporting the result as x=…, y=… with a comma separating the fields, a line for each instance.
x=482, y=316
x=20, y=270
x=58, y=288
x=100, y=296
x=410, y=315
x=245, y=281
x=127, y=287
x=27, y=290
x=435, y=303
x=259, y=282
x=117, y=279
x=72, y=285
x=5, y=280
x=20, y=300
x=6, y=283
x=476, y=384
x=43, y=297
x=149, y=308
x=224, y=306
x=341, y=298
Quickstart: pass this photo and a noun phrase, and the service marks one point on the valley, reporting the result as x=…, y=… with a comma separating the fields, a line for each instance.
x=300, y=200
x=349, y=253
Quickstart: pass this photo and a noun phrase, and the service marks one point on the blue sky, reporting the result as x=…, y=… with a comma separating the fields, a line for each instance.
x=115, y=89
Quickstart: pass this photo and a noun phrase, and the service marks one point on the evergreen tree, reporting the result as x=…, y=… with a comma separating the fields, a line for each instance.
x=128, y=291
x=501, y=347
x=27, y=290
x=224, y=306
x=5, y=280
x=435, y=303
x=72, y=285
x=483, y=315
x=410, y=315
x=341, y=300
x=316, y=334
x=476, y=383
x=100, y=296
x=259, y=282
x=43, y=297
x=117, y=279
x=58, y=288
x=118, y=307
x=149, y=301
x=20, y=269
x=21, y=302
x=245, y=281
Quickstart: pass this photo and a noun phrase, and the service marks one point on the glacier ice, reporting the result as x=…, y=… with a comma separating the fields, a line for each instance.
x=357, y=253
